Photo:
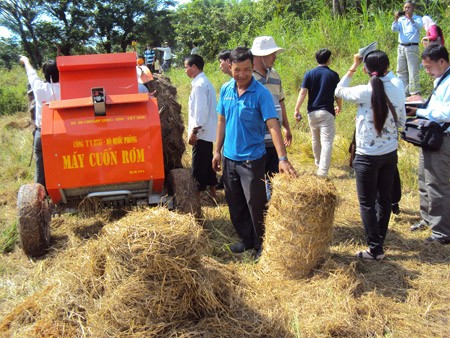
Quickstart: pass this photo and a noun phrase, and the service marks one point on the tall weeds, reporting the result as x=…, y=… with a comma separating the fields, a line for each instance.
x=343, y=35
x=12, y=90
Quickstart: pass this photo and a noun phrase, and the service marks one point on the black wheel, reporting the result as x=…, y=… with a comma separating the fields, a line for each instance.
x=184, y=191
x=34, y=219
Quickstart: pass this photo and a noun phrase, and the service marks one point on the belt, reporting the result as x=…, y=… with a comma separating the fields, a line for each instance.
x=38, y=129
x=409, y=44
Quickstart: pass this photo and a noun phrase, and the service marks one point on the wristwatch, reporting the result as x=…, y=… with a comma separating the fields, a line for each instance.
x=282, y=158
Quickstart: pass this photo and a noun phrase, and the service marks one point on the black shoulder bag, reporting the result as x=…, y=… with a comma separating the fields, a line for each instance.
x=424, y=133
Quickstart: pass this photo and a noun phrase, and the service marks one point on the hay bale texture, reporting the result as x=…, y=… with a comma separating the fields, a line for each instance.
x=34, y=219
x=172, y=126
x=139, y=276
x=299, y=225
x=184, y=192
x=145, y=275
x=149, y=283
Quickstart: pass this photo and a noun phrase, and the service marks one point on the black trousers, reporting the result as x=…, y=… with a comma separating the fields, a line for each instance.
x=39, y=176
x=151, y=66
x=396, y=187
x=202, y=171
x=245, y=193
x=271, y=161
x=374, y=178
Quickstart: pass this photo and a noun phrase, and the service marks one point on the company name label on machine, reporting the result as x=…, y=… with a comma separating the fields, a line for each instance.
x=106, y=157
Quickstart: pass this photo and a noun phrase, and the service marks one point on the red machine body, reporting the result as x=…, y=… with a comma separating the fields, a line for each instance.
x=110, y=148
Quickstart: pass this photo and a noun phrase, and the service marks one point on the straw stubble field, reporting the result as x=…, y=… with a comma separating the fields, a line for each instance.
x=155, y=273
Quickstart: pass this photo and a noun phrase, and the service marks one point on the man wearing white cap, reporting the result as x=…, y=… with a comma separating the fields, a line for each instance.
x=265, y=50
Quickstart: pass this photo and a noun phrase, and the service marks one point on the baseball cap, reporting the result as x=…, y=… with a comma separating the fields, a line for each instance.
x=265, y=45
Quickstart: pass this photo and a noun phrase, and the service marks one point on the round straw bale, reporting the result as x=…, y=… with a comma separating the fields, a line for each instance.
x=34, y=219
x=172, y=126
x=150, y=271
x=299, y=225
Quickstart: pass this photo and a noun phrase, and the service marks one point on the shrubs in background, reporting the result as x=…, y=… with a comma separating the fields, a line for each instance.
x=13, y=91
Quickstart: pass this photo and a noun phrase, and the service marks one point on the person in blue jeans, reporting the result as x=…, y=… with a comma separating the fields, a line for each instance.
x=380, y=112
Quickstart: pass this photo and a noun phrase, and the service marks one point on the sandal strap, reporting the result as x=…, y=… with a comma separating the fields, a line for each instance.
x=366, y=254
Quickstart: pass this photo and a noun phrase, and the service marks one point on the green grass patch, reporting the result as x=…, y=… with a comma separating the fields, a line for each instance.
x=8, y=237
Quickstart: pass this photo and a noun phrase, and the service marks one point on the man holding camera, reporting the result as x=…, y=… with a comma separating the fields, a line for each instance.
x=408, y=25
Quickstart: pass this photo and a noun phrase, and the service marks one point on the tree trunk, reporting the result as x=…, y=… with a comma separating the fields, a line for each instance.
x=339, y=7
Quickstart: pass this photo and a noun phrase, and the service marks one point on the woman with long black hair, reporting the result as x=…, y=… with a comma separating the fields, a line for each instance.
x=380, y=113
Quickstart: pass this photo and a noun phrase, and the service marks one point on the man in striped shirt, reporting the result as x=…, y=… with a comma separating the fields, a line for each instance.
x=265, y=50
x=149, y=55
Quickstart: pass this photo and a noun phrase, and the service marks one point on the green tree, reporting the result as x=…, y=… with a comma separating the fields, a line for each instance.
x=20, y=16
x=9, y=52
x=70, y=25
x=212, y=23
x=156, y=27
x=76, y=26
x=118, y=23
x=115, y=21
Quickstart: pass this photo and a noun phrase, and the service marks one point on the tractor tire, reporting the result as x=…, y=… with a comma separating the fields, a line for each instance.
x=34, y=219
x=184, y=190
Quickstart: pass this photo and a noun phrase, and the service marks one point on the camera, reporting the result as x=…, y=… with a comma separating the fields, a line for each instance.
x=401, y=13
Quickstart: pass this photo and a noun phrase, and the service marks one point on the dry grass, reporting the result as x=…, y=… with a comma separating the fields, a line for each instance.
x=155, y=273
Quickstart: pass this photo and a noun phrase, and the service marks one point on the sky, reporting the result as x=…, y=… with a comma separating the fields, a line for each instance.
x=4, y=33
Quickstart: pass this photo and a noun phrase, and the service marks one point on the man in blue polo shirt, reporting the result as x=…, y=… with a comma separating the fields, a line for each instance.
x=245, y=109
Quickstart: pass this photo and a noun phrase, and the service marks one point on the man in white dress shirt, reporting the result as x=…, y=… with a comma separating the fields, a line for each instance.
x=202, y=124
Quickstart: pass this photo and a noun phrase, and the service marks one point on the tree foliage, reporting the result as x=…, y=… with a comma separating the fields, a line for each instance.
x=69, y=26
x=80, y=26
x=106, y=26
x=210, y=24
x=9, y=52
x=20, y=16
x=116, y=21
